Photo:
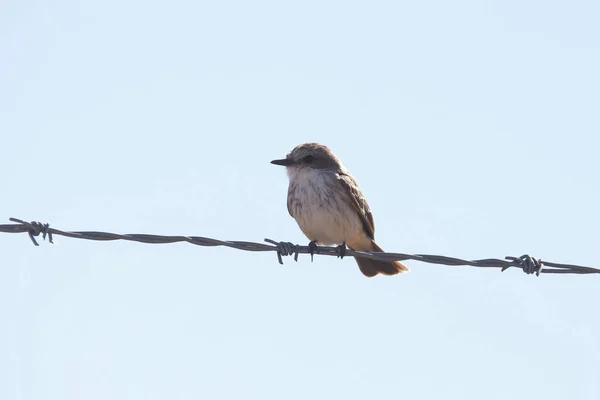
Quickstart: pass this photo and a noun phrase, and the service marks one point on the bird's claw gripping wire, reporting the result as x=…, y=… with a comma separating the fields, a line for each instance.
x=284, y=249
x=312, y=248
x=341, y=249
x=528, y=264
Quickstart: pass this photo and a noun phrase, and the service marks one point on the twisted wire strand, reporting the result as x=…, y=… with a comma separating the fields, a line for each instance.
x=528, y=264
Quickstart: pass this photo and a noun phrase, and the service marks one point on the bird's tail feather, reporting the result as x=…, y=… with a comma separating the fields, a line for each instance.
x=370, y=267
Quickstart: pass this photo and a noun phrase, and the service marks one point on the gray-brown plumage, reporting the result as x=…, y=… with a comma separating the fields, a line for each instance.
x=326, y=202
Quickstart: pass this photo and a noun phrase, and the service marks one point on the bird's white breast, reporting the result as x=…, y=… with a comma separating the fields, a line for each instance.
x=321, y=207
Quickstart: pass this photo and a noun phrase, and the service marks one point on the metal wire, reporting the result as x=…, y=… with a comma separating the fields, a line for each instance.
x=528, y=264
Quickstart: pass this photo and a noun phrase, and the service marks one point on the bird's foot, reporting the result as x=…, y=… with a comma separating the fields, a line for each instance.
x=341, y=249
x=312, y=248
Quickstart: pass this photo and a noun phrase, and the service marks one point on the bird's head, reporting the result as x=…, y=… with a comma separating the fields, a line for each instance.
x=310, y=156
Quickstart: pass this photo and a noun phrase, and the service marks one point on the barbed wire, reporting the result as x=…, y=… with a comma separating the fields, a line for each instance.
x=528, y=264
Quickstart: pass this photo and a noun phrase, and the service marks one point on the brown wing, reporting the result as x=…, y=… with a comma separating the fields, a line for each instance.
x=359, y=202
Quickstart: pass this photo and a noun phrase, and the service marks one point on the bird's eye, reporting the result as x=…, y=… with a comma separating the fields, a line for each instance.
x=308, y=159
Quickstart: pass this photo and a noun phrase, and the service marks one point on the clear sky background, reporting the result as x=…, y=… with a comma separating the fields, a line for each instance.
x=472, y=128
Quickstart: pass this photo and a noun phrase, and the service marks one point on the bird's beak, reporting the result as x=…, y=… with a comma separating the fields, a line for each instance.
x=285, y=162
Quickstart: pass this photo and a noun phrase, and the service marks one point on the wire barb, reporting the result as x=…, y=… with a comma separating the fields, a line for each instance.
x=35, y=229
x=284, y=249
x=526, y=263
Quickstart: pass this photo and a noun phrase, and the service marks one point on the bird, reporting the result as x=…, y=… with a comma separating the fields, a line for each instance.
x=329, y=207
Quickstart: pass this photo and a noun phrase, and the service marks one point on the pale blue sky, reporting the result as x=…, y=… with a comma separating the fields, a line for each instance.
x=471, y=126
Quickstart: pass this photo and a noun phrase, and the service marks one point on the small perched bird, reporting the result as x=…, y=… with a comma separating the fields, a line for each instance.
x=327, y=204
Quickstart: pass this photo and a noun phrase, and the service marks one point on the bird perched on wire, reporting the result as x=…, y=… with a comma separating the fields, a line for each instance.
x=326, y=202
